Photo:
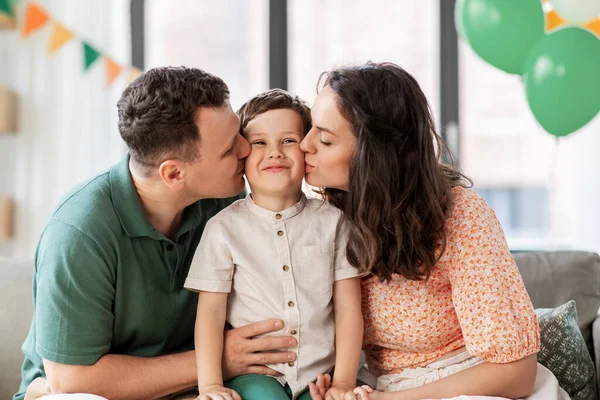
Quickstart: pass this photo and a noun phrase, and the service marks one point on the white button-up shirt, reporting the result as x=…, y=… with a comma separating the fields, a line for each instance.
x=278, y=265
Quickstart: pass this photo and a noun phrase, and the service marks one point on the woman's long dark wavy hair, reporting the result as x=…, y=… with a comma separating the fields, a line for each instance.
x=400, y=193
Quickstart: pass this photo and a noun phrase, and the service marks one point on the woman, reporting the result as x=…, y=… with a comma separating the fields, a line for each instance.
x=446, y=311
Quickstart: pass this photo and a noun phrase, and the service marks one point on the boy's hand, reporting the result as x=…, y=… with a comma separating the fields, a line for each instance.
x=318, y=390
x=366, y=392
x=217, y=392
x=340, y=391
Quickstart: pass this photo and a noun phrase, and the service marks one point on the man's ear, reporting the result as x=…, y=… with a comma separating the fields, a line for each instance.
x=172, y=172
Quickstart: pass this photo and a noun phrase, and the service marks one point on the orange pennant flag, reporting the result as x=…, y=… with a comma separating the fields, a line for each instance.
x=134, y=73
x=594, y=26
x=112, y=70
x=35, y=18
x=553, y=21
x=60, y=36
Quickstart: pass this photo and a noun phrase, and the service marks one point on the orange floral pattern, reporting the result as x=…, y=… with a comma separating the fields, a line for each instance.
x=475, y=297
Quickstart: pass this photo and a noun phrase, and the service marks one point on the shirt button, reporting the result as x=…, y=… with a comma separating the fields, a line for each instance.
x=286, y=268
x=293, y=332
x=278, y=216
x=280, y=233
x=291, y=364
x=291, y=304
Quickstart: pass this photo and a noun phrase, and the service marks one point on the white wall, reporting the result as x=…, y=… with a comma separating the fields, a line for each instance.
x=68, y=120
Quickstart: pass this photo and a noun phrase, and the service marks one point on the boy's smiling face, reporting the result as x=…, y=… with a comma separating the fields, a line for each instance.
x=276, y=162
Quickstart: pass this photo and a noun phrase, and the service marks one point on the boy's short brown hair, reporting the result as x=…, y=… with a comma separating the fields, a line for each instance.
x=274, y=99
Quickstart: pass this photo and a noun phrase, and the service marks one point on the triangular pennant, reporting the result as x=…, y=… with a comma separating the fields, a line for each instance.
x=112, y=70
x=594, y=26
x=6, y=8
x=90, y=56
x=35, y=18
x=60, y=36
x=134, y=74
x=553, y=21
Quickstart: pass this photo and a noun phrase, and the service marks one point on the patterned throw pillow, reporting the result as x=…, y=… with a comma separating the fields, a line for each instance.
x=564, y=352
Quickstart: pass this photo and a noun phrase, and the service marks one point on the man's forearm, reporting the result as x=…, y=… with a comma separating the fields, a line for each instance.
x=512, y=380
x=120, y=377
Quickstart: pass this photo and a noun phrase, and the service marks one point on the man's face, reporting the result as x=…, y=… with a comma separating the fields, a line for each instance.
x=218, y=172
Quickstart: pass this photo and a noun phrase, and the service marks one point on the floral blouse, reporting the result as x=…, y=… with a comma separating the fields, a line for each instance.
x=475, y=297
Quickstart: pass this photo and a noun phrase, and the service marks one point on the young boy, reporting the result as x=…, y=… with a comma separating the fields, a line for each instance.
x=277, y=255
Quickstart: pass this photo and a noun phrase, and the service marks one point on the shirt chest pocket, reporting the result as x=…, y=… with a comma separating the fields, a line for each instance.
x=316, y=268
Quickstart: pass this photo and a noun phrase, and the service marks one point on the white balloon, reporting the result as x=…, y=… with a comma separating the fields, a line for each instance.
x=577, y=11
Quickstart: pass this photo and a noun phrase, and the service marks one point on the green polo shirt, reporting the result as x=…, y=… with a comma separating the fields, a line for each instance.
x=106, y=281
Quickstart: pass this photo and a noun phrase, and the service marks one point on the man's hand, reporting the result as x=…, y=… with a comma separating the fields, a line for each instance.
x=242, y=354
x=340, y=391
x=217, y=392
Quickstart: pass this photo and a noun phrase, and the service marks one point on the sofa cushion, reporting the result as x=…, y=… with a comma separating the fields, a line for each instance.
x=15, y=314
x=553, y=278
x=564, y=352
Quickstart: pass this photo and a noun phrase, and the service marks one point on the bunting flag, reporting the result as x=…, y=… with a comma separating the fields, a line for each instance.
x=90, y=55
x=35, y=18
x=112, y=70
x=553, y=21
x=6, y=8
x=60, y=36
x=594, y=26
x=134, y=74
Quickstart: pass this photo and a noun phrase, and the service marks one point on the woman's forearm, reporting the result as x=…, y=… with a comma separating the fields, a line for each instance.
x=512, y=380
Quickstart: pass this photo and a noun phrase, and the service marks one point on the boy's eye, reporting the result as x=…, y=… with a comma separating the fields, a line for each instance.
x=258, y=142
x=288, y=141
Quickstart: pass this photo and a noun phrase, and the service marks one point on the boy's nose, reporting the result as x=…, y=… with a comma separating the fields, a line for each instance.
x=275, y=153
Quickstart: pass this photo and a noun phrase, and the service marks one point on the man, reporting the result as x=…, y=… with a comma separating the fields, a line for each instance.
x=111, y=316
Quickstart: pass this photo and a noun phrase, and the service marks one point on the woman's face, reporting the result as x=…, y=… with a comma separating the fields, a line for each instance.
x=329, y=145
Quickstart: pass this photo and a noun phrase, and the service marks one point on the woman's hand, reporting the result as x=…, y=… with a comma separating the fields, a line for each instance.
x=217, y=392
x=340, y=391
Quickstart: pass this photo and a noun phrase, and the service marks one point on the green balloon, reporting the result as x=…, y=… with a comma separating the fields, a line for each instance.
x=562, y=80
x=502, y=32
x=460, y=30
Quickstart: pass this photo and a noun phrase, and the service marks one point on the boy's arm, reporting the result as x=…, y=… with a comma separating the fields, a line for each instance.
x=348, y=331
x=208, y=338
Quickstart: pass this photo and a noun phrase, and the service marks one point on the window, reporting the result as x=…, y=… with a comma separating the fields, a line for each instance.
x=510, y=158
x=227, y=38
x=326, y=33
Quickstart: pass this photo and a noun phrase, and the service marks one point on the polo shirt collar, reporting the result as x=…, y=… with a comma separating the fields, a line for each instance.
x=276, y=216
x=129, y=207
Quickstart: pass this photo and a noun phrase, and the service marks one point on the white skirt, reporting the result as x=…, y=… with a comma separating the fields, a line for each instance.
x=546, y=386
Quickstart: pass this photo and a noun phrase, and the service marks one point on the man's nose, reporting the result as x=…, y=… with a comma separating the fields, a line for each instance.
x=244, y=147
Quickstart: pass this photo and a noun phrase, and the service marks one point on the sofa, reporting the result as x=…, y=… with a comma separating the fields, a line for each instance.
x=551, y=278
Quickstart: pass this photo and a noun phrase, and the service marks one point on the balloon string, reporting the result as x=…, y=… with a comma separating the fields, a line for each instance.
x=553, y=184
